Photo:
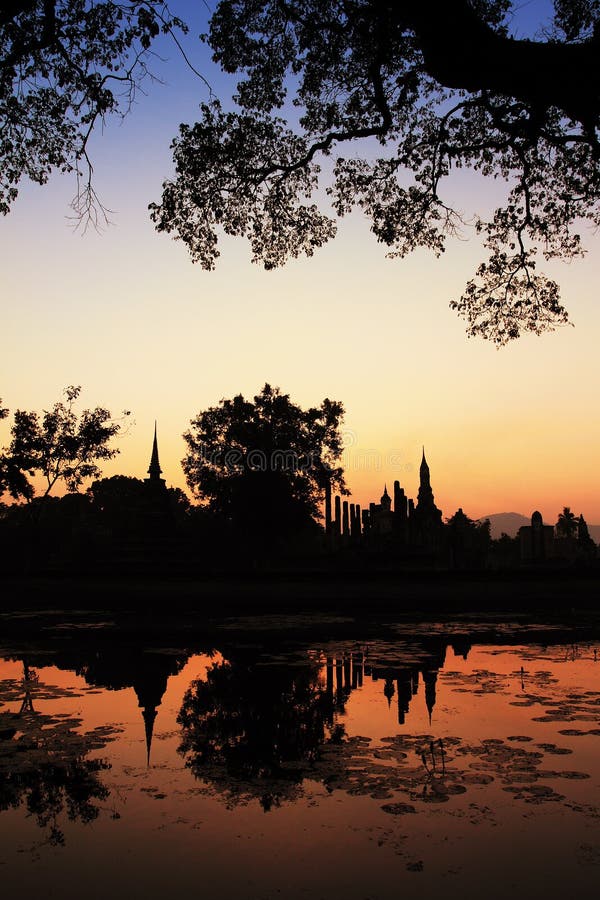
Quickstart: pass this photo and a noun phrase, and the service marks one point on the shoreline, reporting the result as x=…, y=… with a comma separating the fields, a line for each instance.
x=358, y=592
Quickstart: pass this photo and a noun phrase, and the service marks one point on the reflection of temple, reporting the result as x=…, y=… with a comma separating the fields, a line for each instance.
x=343, y=675
x=147, y=673
x=346, y=673
x=403, y=681
x=150, y=686
x=121, y=666
x=402, y=527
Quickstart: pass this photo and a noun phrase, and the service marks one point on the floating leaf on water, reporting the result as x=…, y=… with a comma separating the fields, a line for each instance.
x=398, y=809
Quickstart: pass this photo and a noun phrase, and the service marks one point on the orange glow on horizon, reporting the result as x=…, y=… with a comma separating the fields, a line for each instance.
x=491, y=482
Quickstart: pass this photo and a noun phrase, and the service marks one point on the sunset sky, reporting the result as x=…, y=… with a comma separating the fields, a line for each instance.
x=126, y=315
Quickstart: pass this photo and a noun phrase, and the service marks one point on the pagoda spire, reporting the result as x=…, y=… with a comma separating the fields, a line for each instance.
x=386, y=500
x=424, y=469
x=154, y=469
x=425, y=495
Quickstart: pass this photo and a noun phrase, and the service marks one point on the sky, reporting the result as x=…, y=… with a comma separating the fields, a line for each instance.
x=126, y=315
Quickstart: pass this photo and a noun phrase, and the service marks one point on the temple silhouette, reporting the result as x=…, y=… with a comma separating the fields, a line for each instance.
x=154, y=481
x=400, y=524
x=398, y=528
x=127, y=525
x=157, y=509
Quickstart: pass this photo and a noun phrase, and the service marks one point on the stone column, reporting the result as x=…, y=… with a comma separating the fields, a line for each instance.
x=337, y=529
x=365, y=521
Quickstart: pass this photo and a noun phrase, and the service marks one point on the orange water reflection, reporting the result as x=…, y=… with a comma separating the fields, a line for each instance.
x=425, y=767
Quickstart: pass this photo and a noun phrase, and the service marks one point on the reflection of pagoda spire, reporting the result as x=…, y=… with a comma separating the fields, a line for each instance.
x=149, y=715
x=389, y=690
x=461, y=646
x=430, y=680
x=404, y=697
x=150, y=685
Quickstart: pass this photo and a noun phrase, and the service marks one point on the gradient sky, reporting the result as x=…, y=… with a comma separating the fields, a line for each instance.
x=125, y=314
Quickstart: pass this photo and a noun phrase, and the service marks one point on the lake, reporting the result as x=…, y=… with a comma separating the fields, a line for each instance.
x=299, y=757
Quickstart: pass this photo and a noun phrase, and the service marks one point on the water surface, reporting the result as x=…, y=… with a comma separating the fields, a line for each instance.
x=264, y=764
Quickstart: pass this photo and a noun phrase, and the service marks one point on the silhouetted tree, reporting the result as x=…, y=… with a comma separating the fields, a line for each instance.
x=117, y=496
x=66, y=523
x=65, y=65
x=263, y=464
x=585, y=544
x=12, y=480
x=427, y=87
x=566, y=526
x=469, y=541
x=127, y=507
x=61, y=446
x=505, y=551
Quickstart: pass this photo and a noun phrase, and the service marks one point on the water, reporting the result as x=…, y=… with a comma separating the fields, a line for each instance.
x=271, y=759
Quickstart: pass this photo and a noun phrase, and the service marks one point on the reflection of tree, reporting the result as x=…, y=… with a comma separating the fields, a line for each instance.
x=30, y=679
x=255, y=729
x=70, y=787
x=43, y=763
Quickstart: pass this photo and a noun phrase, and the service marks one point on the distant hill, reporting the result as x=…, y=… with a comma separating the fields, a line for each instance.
x=510, y=522
x=506, y=523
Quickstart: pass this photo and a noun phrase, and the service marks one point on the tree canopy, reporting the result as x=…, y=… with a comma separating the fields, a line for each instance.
x=131, y=507
x=584, y=540
x=566, y=525
x=12, y=479
x=64, y=66
x=264, y=464
x=62, y=445
x=426, y=88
